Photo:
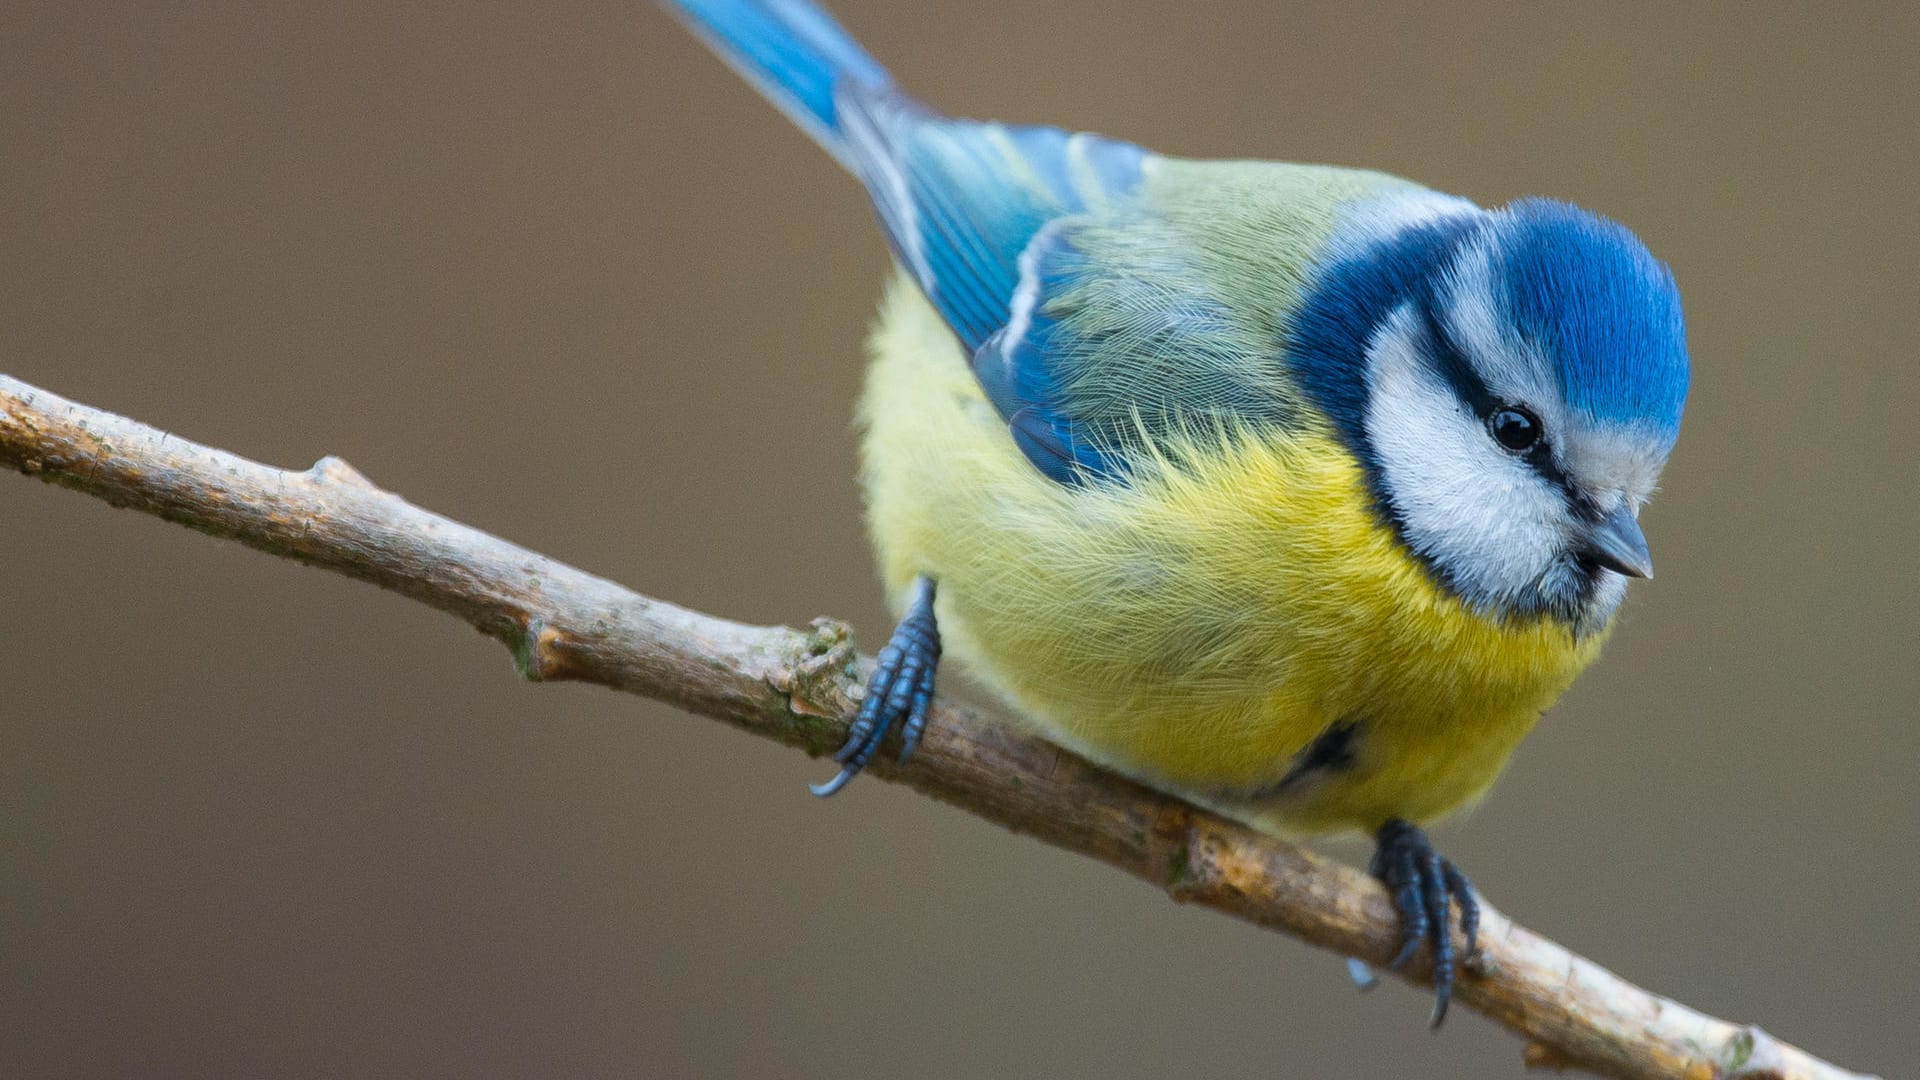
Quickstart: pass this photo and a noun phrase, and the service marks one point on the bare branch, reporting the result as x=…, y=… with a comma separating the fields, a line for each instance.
x=797, y=687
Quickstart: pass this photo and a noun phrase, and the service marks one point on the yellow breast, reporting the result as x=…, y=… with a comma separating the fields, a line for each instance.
x=1200, y=625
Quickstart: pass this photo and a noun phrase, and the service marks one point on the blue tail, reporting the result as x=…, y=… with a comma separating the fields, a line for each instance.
x=793, y=52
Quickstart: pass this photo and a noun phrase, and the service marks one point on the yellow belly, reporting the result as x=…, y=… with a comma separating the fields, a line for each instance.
x=1199, y=626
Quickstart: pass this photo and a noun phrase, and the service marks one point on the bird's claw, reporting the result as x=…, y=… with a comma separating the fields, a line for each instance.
x=1425, y=887
x=899, y=692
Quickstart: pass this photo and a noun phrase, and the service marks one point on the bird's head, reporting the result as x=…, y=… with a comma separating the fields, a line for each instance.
x=1513, y=382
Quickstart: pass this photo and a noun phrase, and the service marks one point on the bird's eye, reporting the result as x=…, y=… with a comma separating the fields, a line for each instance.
x=1514, y=428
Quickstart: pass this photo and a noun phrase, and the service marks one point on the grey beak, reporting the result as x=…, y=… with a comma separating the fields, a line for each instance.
x=1617, y=543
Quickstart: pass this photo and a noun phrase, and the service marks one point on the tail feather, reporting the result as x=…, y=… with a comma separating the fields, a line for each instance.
x=794, y=53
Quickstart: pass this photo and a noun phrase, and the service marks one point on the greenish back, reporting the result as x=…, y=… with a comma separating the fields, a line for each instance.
x=1173, y=312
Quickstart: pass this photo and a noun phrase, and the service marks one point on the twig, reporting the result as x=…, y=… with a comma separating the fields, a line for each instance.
x=796, y=687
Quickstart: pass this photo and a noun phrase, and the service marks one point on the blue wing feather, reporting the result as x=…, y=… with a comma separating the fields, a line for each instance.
x=961, y=201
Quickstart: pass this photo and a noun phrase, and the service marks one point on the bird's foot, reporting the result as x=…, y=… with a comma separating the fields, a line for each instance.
x=1424, y=887
x=899, y=692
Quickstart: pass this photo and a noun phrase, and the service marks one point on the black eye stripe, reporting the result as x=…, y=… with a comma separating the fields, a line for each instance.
x=1453, y=367
x=1451, y=364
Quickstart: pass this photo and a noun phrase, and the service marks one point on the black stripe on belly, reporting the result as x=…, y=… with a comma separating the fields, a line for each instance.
x=1334, y=750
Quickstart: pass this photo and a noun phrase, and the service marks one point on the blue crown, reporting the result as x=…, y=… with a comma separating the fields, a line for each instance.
x=1601, y=308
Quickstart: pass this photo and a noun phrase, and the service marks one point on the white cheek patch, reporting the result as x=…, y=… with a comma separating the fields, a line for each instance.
x=1485, y=519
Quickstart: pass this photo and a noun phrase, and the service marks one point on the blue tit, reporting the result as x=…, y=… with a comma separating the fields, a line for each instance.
x=1299, y=491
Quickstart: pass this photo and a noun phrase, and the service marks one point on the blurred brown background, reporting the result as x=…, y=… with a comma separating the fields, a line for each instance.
x=559, y=274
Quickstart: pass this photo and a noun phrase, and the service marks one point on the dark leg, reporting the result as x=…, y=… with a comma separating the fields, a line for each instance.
x=899, y=692
x=1425, y=887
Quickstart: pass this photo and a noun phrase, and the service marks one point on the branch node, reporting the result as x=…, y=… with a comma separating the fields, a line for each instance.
x=335, y=470
x=539, y=652
x=1186, y=872
x=1752, y=1054
x=816, y=682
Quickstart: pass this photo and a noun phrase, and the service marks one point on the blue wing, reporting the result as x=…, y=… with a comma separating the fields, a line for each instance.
x=973, y=210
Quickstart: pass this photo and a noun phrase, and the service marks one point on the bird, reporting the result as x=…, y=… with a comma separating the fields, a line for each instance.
x=1299, y=491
